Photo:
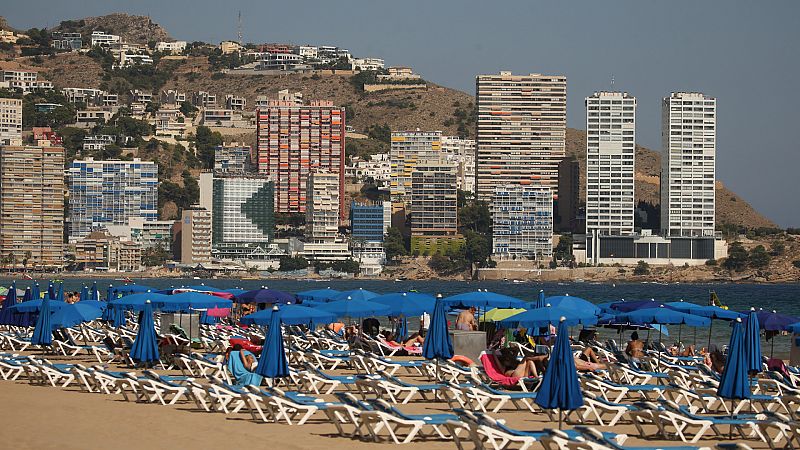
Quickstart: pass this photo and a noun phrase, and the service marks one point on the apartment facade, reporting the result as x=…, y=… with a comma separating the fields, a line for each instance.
x=194, y=240
x=522, y=218
x=243, y=214
x=434, y=212
x=233, y=157
x=461, y=153
x=369, y=221
x=688, y=164
x=322, y=211
x=294, y=141
x=110, y=192
x=32, y=205
x=10, y=121
x=610, y=163
x=408, y=150
x=522, y=122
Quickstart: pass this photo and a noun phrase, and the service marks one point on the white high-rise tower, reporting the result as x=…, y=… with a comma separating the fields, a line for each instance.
x=610, y=163
x=688, y=163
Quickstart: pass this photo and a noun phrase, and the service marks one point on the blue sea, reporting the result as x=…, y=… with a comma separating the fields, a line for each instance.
x=784, y=298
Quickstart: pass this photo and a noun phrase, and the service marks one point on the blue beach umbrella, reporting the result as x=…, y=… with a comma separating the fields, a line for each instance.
x=235, y=291
x=43, y=332
x=144, y=350
x=437, y=344
x=734, y=384
x=51, y=291
x=549, y=315
x=355, y=294
x=574, y=303
x=94, y=293
x=710, y=311
x=36, y=293
x=664, y=316
x=273, y=362
x=7, y=316
x=290, y=315
x=752, y=342
x=204, y=288
x=318, y=294
x=772, y=321
x=191, y=300
x=628, y=306
x=264, y=295
x=401, y=330
x=560, y=388
x=84, y=293
x=483, y=299
x=406, y=303
x=136, y=302
x=111, y=293
x=71, y=315
x=32, y=306
x=60, y=292
x=354, y=308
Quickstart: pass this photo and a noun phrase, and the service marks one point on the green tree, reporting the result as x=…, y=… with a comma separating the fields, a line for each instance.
x=642, y=268
x=478, y=248
x=206, y=142
x=288, y=263
x=394, y=244
x=777, y=248
x=188, y=109
x=476, y=216
x=737, y=257
x=796, y=263
x=759, y=258
x=563, y=250
x=191, y=188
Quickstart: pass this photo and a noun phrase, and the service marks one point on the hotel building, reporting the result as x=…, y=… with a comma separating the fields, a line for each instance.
x=522, y=219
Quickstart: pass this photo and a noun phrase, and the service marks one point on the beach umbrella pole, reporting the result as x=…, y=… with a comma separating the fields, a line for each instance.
x=710, y=325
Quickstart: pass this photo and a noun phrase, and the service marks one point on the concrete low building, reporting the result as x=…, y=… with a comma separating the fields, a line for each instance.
x=653, y=249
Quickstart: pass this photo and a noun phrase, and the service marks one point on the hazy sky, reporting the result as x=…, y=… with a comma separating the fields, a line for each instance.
x=744, y=53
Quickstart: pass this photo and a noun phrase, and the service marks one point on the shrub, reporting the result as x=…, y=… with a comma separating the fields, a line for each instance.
x=642, y=268
x=711, y=262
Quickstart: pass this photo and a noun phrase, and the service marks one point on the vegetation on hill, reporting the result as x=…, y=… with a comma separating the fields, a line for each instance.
x=132, y=28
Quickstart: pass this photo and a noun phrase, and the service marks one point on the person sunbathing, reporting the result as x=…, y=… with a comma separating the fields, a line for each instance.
x=414, y=340
x=512, y=367
x=635, y=349
x=675, y=350
x=588, y=361
x=241, y=364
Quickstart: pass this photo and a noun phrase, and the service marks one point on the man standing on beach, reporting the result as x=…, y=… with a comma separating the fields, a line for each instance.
x=466, y=320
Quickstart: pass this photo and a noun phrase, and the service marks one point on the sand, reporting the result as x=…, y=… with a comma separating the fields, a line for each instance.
x=44, y=417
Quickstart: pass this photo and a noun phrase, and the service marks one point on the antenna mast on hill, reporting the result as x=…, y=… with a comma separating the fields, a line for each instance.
x=240, y=27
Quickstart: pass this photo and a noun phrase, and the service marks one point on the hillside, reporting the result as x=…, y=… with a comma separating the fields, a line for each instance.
x=135, y=29
x=437, y=108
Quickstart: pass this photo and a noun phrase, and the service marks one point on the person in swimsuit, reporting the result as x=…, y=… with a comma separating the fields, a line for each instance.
x=466, y=320
x=635, y=349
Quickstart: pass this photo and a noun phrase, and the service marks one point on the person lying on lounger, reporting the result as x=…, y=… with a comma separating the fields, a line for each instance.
x=241, y=364
x=414, y=340
x=513, y=367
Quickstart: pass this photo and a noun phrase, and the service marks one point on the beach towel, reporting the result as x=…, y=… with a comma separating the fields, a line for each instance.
x=240, y=373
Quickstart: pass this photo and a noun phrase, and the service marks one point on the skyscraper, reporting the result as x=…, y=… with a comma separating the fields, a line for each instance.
x=295, y=140
x=689, y=139
x=32, y=205
x=242, y=214
x=610, y=163
x=522, y=121
x=522, y=219
x=109, y=193
x=409, y=149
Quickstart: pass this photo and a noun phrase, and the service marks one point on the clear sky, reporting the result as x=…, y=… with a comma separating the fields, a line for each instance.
x=747, y=54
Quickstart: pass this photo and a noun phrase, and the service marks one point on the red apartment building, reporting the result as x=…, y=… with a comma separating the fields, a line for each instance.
x=296, y=140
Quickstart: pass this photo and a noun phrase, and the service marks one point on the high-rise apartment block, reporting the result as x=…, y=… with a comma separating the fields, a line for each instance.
x=522, y=121
x=434, y=213
x=322, y=211
x=194, y=236
x=522, y=218
x=32, y=205
x=10, y=121
x=461, y=153
x=567, y=215
x=243, y=217
x=408, y=150
x=294, y=141
x=110, y=192
x=610, y=163
x=688, y=163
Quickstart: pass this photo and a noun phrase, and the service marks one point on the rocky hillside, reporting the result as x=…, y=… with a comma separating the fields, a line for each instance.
x=135, y=29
